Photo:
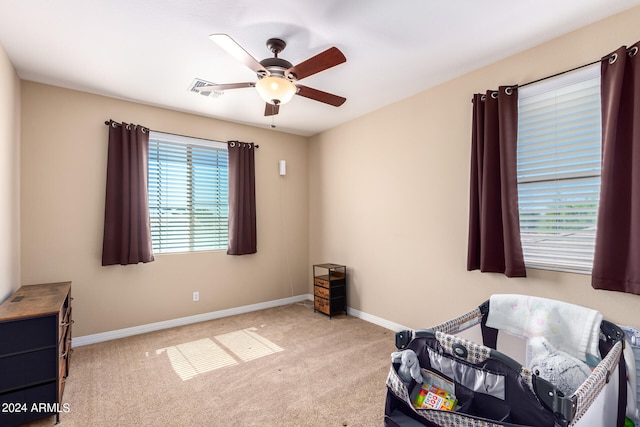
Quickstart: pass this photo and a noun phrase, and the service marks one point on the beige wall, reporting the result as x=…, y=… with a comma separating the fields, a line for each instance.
x=9, y=177
x=64, y=153
x=389, y=195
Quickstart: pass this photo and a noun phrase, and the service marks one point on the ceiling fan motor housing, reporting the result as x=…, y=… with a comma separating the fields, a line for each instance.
x=277, y=67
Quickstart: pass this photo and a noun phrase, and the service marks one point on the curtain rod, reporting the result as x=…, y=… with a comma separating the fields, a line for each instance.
x=109, y=122
x=551, y=76
x=612, y=58
x=560, y=73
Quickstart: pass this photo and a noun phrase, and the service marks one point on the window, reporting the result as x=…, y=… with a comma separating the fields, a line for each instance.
x=559, y=160
x=188, y=193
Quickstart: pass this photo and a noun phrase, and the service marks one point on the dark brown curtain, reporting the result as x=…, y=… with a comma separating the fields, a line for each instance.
x=616, y=263
x=494, y=226
x=127, y=230
x=242, y=199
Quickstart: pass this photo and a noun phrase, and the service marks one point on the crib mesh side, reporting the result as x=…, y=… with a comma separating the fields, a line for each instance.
x=595, y=382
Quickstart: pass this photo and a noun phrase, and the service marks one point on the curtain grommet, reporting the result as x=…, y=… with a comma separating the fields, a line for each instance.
x=483, y=98
x=494, y=95
x=508, y=91
x=613, y=58
x=633, y=51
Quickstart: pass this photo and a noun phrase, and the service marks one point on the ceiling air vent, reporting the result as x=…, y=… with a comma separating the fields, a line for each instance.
x=198, y=83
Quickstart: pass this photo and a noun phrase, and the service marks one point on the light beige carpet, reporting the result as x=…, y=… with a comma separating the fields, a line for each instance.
x=285, y=366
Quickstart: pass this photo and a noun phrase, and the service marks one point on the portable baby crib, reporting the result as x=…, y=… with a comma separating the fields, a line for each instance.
x=493, y=389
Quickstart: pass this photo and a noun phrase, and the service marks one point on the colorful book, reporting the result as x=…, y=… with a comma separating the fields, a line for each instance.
x=432, y=397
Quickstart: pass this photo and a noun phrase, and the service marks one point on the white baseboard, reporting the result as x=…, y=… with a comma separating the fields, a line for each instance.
x=396, y=327
x=151, y=327
x=142, y=329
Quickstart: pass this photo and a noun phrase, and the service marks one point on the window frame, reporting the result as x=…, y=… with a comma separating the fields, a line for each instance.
x=190, y=185
x=556, y=181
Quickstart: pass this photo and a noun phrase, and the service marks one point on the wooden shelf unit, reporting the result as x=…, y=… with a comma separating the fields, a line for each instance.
x=330, y=288
x=35, y=351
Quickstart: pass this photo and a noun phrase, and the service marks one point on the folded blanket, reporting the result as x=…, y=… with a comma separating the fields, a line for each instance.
x=568, y=327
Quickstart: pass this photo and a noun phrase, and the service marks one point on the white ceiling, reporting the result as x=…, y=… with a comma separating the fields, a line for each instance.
x=150, y=51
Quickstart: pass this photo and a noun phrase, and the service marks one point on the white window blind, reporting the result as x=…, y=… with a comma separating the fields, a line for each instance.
x=188, y=193
x=559, y=161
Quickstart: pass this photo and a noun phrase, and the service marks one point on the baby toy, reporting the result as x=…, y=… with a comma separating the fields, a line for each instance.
x=561, y=369
x=409, y=366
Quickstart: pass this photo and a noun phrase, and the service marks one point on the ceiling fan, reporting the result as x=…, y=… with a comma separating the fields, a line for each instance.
x=277, y=78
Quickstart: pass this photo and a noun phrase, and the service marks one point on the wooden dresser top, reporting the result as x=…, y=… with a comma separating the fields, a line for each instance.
x=34, y=300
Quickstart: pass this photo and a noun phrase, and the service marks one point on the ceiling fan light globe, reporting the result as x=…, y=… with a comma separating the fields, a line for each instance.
x=276, y=90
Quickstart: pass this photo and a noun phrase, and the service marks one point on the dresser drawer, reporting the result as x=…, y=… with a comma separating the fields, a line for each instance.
x=322, y=305
x=27, y=398
x=27, y=368
x=321, y=282
x=23, y=335
x=321, y=292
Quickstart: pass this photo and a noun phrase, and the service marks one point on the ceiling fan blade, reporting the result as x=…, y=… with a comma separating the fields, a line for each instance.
x=271, y=109
x=322, y=61
x=224, y=86
x=318, y=95
x=235, y=50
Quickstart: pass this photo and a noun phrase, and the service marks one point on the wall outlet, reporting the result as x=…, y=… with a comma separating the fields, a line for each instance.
x=196, y=296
